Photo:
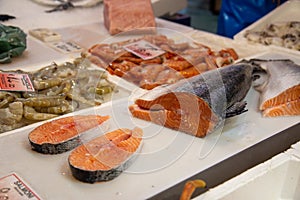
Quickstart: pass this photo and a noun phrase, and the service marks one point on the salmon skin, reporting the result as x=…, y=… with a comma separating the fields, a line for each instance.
x=197, y=105
x=279, y=87
x=61, y=135
x=105, y=157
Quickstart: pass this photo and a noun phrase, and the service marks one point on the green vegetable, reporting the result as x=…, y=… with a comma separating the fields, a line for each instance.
x=12, y=42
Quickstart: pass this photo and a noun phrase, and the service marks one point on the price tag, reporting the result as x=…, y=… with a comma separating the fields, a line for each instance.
x=66, y=46
x=144, y=49
x=15, y=82
x=45, y=35
x=12, y=187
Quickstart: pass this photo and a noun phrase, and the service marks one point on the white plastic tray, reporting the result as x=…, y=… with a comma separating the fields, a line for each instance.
x=167, y=156
x=217, y=42
x=289, y=11
x=277, y=178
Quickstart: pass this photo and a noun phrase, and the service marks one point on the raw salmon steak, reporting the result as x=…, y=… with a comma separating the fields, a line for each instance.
x=197, y=105
x=279, y=87
x=105, y=157
x=63, y=134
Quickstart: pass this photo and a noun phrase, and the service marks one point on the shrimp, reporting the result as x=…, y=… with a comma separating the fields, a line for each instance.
x=46, y=101
x=6, y=98
x=190, y=187
x=61, y=109
x=12, y=114
x=31, y=114
x=44, y=84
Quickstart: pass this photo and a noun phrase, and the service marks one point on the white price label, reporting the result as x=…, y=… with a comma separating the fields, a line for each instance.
x=144, y=49
x=66, y=46
x=45, y=35
x=12, y=187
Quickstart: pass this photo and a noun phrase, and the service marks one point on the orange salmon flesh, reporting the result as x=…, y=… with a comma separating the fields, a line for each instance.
x=180, y=111
x=63, y=129
x=107, y=151
x=285, y=104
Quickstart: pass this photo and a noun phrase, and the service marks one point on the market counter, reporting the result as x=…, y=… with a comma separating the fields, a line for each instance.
x=169, y=158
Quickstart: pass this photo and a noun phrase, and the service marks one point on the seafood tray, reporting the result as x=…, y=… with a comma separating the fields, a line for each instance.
x=172, y=57
x=166, y=158
x=287, y=12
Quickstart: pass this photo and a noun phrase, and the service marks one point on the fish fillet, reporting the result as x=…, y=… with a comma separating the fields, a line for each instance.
x=280, y=92
x=127, y=15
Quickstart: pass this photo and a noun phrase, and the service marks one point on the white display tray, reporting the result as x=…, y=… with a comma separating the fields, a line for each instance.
x=217, y=43
x=280, y=174
x=167, y=157
x=289, y=11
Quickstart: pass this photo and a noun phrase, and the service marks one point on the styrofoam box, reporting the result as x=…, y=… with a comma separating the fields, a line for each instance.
x=277, y=178
x=289, y=11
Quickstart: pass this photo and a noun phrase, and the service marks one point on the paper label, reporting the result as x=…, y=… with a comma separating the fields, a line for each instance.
x=144, y=49
x=66, y=46
x=12, y=187
x=45, y=34
x=15, y=82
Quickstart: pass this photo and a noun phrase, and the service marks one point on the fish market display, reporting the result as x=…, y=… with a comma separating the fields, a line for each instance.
x=284, y=34
x=126, y=15
x=279, y=88
x=105, y=157
x=180, y=60
x=59, y=89
x=61, y=135
x=197, y=105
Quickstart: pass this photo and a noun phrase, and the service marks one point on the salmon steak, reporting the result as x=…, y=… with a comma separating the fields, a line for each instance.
x=198, y=104
x=105, y=157
x=279, y=87
x=61, y=135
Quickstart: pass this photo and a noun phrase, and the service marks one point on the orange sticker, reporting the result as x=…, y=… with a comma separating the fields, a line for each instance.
x=15, y=82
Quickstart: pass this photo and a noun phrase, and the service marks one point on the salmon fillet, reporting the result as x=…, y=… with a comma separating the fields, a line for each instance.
x=127, y=15
x=289, y=95
x=287, y=109
x=279, y=87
